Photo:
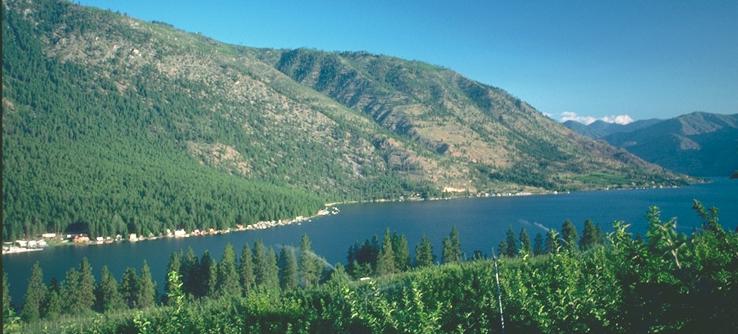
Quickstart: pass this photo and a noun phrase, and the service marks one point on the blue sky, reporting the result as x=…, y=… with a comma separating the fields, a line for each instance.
x=579, y=59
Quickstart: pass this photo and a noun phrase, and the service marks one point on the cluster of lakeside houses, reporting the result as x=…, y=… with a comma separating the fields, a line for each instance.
x=22, y=246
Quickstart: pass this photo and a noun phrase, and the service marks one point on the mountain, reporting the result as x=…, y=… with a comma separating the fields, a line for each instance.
x=699, y=143
x=113, y=125
x=599, y=129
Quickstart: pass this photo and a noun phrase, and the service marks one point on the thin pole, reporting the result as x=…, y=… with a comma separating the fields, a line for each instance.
x=499, y=293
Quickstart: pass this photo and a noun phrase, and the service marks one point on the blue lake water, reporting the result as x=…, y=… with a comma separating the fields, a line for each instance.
x=481, y=223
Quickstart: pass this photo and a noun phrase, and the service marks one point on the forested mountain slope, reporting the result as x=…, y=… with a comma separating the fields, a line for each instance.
x=115, y=125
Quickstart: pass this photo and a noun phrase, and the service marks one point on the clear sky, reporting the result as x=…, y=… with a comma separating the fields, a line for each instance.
x=644, y=59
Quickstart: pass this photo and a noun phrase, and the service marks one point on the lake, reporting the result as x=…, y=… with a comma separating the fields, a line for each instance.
x=481, y=223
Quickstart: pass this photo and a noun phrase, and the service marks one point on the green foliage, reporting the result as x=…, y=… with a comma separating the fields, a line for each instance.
x=129, y=288
x=511, y=243
x=424, y=253
x=569, y=235
x=246, y=270
x=525, y=242
x=146, y=288
x=401, y=252
x=386, y=260
x=309, y=265
x=107, y=296
x=452, y=247
x=228, y=278
x=287, y=268
x=538, y=247
x=591, y=235
x=35, y=294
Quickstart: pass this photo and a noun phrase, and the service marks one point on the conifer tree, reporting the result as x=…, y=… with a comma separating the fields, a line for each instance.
x=309, y=265
x=271, y=278
x=287, y=269
x=70, y=286
x=402, y=252
x=207, y=276
x=174, y=265
x=552, y=241
x=35, y=294
x=129, y=289
x=590, y=235
x=524, y=241
x=424, y=253
x=7, y=308
x=190, y=269
x=538, y=244
x=246, y=269
x=146, y=288
x=261, y=262
x=386, y=261
x=108, y=297
x=86, y=287
x=511, y=243
x=227, y=273
x=502, y=248
x=53, y=306
x=452, y=247
x=569, y=235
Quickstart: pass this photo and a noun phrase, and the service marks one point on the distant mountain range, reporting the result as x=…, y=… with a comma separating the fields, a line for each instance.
x=114, y=125
x=699, y=143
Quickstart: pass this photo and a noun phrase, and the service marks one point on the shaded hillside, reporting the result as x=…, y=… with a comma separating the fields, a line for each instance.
x=114, y=125
x=599, y=129
x=697, y=144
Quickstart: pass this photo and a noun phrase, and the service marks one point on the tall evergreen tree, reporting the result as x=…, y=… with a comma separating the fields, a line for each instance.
x=502, y=248
x=228, y=274
x=53, y=306
x=569, y=235
x=309, y=265
x=146, y=288
x=511, y=243
x=271, y=278
x=129, y=289
x=86, y=287
x=590, y=235
x=402, y=252
x=208, y=276
x=190, y=269
x=524, y=241
x=287, y=269
x=246, y=269
x=174, y=265
x=424, y=253
x=70, y=286
x=7, y=308
x=35, y=294
x=538, y=244
x=108, y=297
x=386, y=261
x=452, y=247
x=552, y=241
x=261, y=263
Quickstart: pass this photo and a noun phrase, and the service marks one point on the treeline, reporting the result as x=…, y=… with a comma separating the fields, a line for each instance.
x=665, y=282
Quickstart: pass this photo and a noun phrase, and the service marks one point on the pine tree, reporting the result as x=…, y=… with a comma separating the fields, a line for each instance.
x=502, y=248
x=174, y=265
x=452, y=247
x=246, y=269
x=287, y=269
x=524, y=241
x=190, y=273
x=35, y=294
x=511, y=243
x=386, y=261
x=108, y=297
x=424, y=253
x=552, y=241
x=53, y=306
x=86, y=287
x=70, y=287
x=207, y=276
x=7, y=308
x=146, y=289
x=590, y=235
x=261, y=262
x=271, y=277
x=129, y=289
x=402, y=252
x=227, y=284
x=538, y=244
x=309, y=265
x=569, y=235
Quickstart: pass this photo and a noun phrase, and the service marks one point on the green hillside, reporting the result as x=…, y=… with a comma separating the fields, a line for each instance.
x=115, y=125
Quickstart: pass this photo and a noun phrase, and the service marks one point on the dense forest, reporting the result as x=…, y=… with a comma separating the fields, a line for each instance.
x=662, y=282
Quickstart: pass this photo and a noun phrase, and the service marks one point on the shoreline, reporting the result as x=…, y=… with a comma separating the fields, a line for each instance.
x=328, y=209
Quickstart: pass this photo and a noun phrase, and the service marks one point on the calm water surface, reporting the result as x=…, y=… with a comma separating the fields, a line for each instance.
x=481, y=224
